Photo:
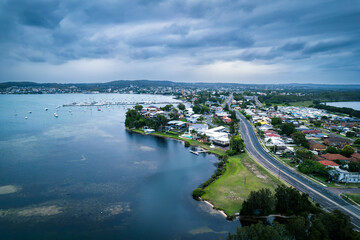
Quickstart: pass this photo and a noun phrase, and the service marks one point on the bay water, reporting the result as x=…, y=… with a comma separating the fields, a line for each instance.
x=81, y=175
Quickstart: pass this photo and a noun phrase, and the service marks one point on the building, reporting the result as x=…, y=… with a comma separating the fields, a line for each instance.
x=218, y=136
x=328, y=163
x=316, y=146
x=337, y=141
x=199, y=128
x=340, y=175
x=334, y=156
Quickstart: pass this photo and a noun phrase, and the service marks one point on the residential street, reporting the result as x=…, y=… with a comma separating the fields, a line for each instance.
x=320, y=194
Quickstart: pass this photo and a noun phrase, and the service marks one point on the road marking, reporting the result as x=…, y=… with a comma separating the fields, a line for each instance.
x=311, y=189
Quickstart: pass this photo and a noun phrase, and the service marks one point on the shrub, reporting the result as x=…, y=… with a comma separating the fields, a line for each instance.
x=187, y=144
x=231, y=152
x=197, y=193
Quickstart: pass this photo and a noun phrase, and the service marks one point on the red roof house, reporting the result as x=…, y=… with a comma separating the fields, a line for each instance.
x=328, y=163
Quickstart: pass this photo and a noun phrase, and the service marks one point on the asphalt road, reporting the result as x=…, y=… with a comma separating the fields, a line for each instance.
x=318, y=193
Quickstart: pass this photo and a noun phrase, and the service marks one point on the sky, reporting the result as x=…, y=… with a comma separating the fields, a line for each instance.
x=271, y=42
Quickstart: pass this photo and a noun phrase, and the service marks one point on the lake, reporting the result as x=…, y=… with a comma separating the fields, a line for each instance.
x=83, y=176
x=353, y=105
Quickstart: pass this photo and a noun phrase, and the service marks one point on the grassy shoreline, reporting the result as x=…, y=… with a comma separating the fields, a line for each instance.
x=242, y=175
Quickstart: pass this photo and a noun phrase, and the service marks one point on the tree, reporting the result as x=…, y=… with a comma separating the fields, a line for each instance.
x=287, y=128
x=260, y=231
x=357, y=141
x=299, y=139
x=354, y=167
x=237, y=143
x=276, y=121
x=197, y=108
x=161, y=120
x=347, y=151
x=138, y=107
x=205, y=109
x=350, y=134
x=181, y=106
x=338, y=225
x=332, y=149
x=167, y=107
x=311, y=166
x=197, y=193
x=304, y=154
x=290, y=201
x=258, y=203
x=248, y=117
x=298, y=226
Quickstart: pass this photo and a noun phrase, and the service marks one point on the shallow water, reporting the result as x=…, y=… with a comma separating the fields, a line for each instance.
x=81, y=175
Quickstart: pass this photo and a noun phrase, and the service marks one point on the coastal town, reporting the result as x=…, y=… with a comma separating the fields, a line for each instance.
x=320, y=144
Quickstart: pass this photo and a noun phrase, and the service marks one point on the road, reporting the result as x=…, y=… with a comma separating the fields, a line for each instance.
x=227, y=101
x=208, y=120
x=318, y=193
x=258, y=102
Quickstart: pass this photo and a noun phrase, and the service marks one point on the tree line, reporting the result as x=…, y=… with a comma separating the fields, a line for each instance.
x=305, y=222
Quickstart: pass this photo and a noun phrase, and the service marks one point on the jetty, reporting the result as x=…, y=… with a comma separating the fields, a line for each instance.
x=199, y=151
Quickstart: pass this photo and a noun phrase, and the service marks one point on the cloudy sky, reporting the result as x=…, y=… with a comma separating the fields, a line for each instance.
x=274, y=41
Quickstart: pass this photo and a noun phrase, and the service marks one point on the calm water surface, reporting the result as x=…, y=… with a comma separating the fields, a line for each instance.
x=82, y=176
x=353, y=105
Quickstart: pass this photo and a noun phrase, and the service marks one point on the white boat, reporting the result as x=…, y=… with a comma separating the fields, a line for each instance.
x=46, y=109
x=26, y=117
x=30, y=112
x=56, y=115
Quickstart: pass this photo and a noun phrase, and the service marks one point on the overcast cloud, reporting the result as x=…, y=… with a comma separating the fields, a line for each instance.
x=275, y=41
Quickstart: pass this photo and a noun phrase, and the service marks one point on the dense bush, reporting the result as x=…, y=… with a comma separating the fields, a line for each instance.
x=259, y=203
x=187, y=144
x=197, y=193
x=313, y=167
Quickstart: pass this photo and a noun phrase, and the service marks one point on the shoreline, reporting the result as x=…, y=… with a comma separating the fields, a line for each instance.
x=221, y=212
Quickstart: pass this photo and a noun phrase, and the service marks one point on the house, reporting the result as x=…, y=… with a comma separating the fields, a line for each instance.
x=341, y=175
x=310, y=131
x=265, y=127
x=334, y=156
x=199, y=128
x=218, y=135
x=316, y=146
x=176, y=124
x=355, y=157
x=337, y=141
x=151, y=109
x=328, y=163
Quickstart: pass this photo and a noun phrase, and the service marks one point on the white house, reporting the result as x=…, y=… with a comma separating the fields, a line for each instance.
x=341, y=175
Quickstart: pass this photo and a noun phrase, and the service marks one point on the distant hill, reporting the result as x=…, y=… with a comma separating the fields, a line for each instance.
x=161, y=83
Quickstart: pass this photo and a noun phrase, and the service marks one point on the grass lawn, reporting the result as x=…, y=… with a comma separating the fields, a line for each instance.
x=353, y=196
x=242, y=176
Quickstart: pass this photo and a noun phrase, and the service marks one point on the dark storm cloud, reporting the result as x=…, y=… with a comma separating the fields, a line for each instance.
x=275, y=33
